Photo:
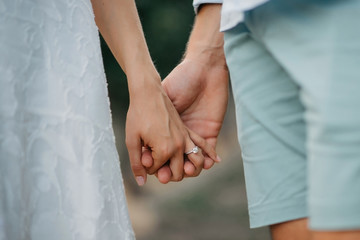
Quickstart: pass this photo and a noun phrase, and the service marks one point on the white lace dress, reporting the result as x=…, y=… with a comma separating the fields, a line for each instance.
x=59, y=169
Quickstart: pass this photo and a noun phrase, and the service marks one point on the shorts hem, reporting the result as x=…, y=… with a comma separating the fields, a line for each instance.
x=281, y=211
x=334, y=216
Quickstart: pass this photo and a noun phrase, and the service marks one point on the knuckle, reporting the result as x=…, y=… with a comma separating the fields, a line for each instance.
x=199, y=163
x=177, y=178
x=179, y=145
x=202, y=142
x=128, y=142
x=164, y=151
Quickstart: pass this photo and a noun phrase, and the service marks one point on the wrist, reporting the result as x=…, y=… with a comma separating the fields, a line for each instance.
x=206, y=41
x=212, y=56
x=143, y=79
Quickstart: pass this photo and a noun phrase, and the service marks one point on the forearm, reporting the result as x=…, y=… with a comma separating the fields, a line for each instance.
x=206, y=41
x=120, y=26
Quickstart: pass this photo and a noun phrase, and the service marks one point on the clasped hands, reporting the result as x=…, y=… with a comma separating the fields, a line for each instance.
x=166, y=120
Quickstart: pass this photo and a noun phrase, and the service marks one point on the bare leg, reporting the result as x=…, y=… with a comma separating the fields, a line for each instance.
x=343, y=235
x=292, y=230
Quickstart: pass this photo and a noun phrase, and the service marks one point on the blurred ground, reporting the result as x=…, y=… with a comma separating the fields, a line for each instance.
x=212, y=206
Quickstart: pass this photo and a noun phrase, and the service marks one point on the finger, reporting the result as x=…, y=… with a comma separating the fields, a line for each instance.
x=164, y=174
x=197, y=160
x=205, y=147
x=189, y=169
x=134, y=148
x=160, y=156
x=208, y=163
x=177, y=167
x=146, y=158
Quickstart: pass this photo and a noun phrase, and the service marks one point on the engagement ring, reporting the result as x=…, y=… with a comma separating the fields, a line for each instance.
x=194, y=150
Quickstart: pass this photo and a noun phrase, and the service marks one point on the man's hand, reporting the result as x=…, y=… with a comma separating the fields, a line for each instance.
x=200, y=94
x=198, y=87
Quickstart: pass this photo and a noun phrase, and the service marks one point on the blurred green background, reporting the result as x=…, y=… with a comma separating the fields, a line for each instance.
x=212, y=206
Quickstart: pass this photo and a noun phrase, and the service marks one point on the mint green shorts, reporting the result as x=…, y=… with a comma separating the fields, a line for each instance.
x=295, y=73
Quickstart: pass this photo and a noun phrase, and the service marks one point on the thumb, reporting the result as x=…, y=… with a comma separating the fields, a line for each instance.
x=146, y=157
x=167, y=88
x=133, y=145
x=172, y=83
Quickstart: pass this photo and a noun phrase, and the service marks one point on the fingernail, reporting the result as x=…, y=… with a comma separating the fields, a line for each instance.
x=140, y=180
x=218, y=159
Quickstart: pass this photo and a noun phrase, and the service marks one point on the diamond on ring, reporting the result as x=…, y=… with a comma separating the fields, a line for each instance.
x=194, y=150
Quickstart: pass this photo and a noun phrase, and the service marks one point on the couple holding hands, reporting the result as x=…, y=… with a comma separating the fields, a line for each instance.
x=293, y=66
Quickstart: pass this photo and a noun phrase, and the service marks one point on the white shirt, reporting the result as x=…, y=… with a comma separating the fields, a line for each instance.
x=232, y=11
